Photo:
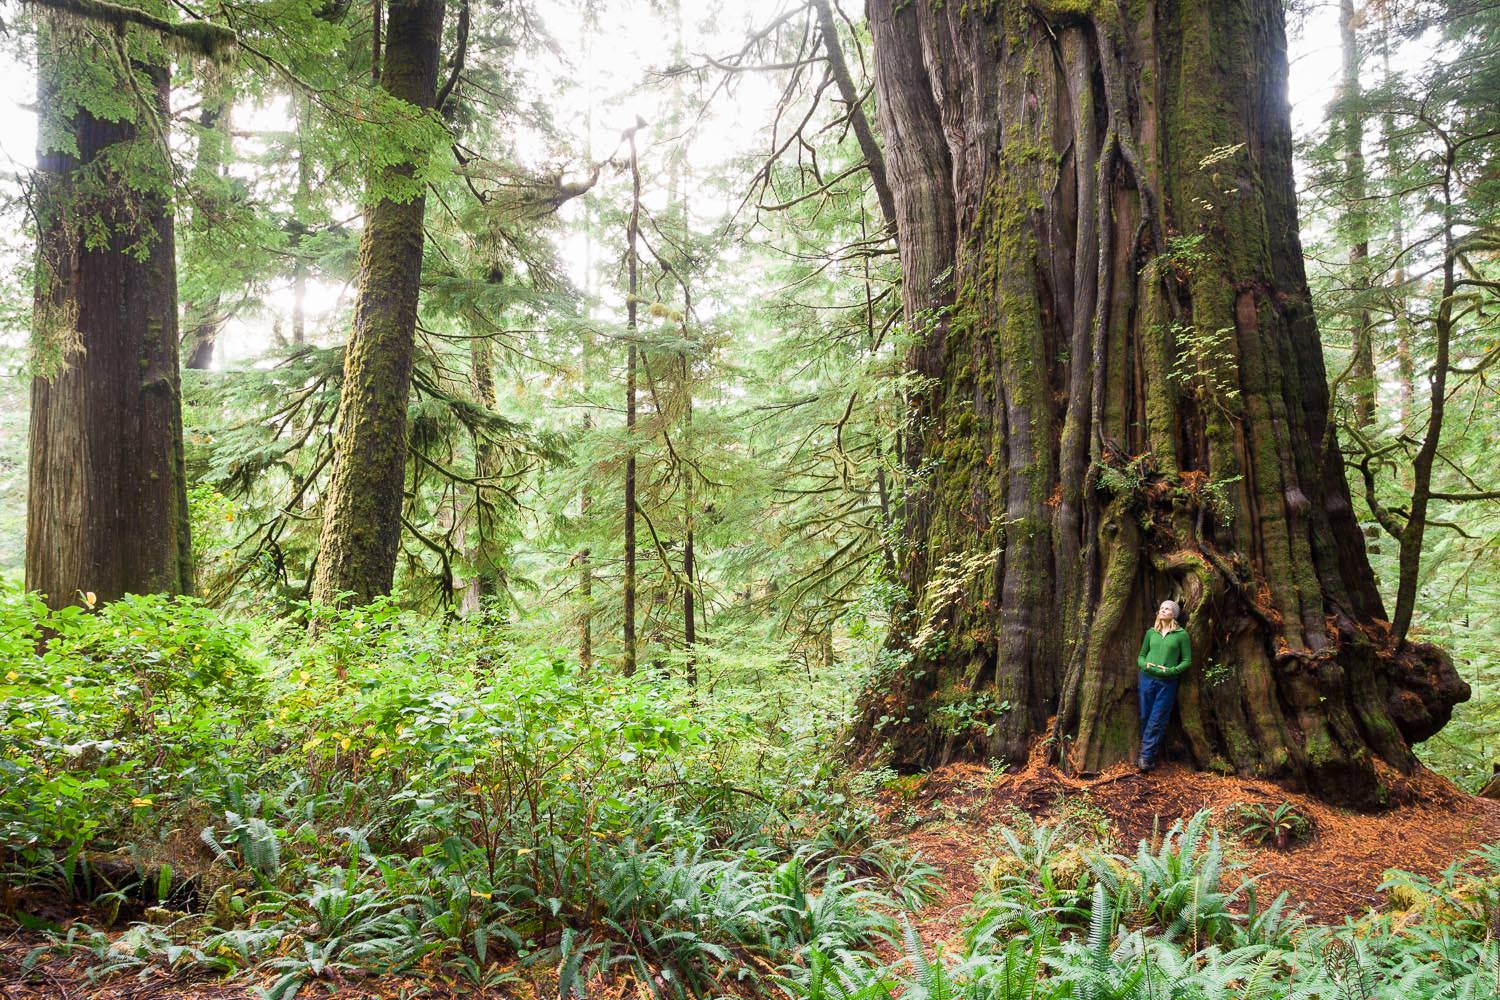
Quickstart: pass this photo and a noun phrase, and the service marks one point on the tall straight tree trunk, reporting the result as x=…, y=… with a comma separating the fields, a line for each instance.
x=486, y=464
x=632, y=263
x=202, y=317
x=361, y=533
x=1356, y=219
x=299, y=209
x=106, y=493
x=1411, y=535
x=1121, y=397
x=1400, y=296
x=689, y=506
x=585, y=495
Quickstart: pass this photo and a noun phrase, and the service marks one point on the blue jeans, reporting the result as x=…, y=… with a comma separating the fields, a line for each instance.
x=1157, y=700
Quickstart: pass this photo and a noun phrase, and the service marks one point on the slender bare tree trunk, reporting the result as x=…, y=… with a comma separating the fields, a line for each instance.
x=1400, y=298
x=583, y=557
x=299, y=262
x=1415, y=528
x=839, y=67
x=482, y=583
x=1357, y=219
x=632, y=263
x=203, y=318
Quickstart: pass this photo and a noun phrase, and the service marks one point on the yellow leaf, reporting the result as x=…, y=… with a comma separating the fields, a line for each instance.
x=377, y=752
x=306, y=676
x=523, y=851
x=312, y=742
x=90, y=598
x=344, y=743
x=12, y=676
x=140, y=803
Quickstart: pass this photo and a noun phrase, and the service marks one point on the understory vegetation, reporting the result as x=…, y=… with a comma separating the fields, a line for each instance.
x=188, y=793
x=444, y=799
x=1064, y=915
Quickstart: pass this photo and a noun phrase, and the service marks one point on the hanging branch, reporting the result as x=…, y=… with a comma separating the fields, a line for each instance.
x=203, y=37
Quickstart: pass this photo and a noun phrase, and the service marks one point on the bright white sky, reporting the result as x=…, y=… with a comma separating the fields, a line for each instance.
x=601, y=81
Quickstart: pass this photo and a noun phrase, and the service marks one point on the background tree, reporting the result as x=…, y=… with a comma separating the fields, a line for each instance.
x=362, y=512
x=1423, y=289
x=107, y=505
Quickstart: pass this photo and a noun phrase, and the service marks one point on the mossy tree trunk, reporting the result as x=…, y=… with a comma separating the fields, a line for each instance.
x=106, y=493
x=1119, y=395
x=361, y=532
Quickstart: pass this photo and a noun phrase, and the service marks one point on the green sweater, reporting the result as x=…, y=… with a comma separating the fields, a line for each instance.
x=1165, y=656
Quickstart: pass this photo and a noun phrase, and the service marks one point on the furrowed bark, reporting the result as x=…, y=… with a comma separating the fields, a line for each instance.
x=106, y=493
x=361, y=532
x=203, y=317
x=1118, y=396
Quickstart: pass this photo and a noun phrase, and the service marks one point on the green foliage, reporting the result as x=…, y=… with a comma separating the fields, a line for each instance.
x=109, y=715
x=1156, y=925
x=404, y=789
x=1282, y=825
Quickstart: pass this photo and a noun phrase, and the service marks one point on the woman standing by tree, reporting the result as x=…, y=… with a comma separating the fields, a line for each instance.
x=1164, y=657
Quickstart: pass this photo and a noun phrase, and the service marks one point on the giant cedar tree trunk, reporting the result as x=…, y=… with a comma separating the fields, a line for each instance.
x=361, y=533
x=1120, y=396
x=106, y=496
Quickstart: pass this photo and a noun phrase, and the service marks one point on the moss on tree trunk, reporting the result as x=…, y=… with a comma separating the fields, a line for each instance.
x=361, y=532
x=1119, y=397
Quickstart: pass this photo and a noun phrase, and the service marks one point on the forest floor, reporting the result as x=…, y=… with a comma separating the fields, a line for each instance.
x=950, y=817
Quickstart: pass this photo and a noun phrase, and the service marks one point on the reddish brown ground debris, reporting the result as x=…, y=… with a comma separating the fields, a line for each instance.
x=1431, y=824
x=58, y=979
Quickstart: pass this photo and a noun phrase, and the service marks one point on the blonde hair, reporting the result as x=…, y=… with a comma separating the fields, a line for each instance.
x=1176, y=614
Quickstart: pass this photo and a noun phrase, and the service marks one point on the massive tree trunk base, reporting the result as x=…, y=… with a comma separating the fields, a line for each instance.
x=1362, y=699
x=1120, y=396
x=1315, y=721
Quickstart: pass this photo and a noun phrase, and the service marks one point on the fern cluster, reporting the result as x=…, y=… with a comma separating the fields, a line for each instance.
x=1159, y=926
